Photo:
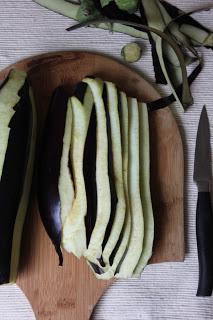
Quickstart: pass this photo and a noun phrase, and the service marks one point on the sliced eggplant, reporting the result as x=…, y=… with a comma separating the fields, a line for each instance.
x=117, y=225
x=17, y=149
x=74, y=231
x=135, y=244
x=125, y=233
x=53, y=163
x=94, y=250
x=144, y=147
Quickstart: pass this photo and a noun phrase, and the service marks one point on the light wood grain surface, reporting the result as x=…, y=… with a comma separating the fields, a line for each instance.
x=165, y=291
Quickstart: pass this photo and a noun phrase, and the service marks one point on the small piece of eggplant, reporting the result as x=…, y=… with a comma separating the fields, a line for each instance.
x=135, y=244
x=131, y=52
x=54, y=141
x=94, y=250
x=144, y=149
x=17, y=144
x=74, y=231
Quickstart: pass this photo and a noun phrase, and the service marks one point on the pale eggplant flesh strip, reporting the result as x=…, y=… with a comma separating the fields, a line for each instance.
x=117, y=167
x=17, y=114
x=144, y=149
x=50, y=167
x=65, y=185
x=74, y=231
x=94, y=250
x=135, y=244
x=111, y=174
x=121, y=246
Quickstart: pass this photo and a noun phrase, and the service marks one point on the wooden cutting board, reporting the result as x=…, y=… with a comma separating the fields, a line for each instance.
x=71, y=291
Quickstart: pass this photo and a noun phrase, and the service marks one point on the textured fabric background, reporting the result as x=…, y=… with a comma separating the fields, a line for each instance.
x=165, y=291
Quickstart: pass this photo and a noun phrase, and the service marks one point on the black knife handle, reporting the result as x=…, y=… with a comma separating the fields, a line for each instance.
x=204, y=231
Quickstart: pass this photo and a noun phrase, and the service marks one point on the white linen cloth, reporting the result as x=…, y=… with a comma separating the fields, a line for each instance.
x=165, y=291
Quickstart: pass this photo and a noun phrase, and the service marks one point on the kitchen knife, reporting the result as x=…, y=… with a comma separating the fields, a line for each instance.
x=204, y=214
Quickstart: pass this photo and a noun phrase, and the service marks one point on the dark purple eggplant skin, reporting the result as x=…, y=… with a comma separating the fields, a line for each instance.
x=89, y=170
x=4, y=82
x=49, y=168
x=13, y=175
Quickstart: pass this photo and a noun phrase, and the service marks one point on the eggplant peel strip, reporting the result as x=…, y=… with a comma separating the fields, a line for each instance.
x=183, y=18
x=202, y=37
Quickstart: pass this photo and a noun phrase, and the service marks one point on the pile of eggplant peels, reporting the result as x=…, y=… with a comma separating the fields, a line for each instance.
x=157, y=21
x=94, y=189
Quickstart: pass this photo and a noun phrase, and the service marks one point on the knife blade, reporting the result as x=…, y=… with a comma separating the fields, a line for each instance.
x=204, y=214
